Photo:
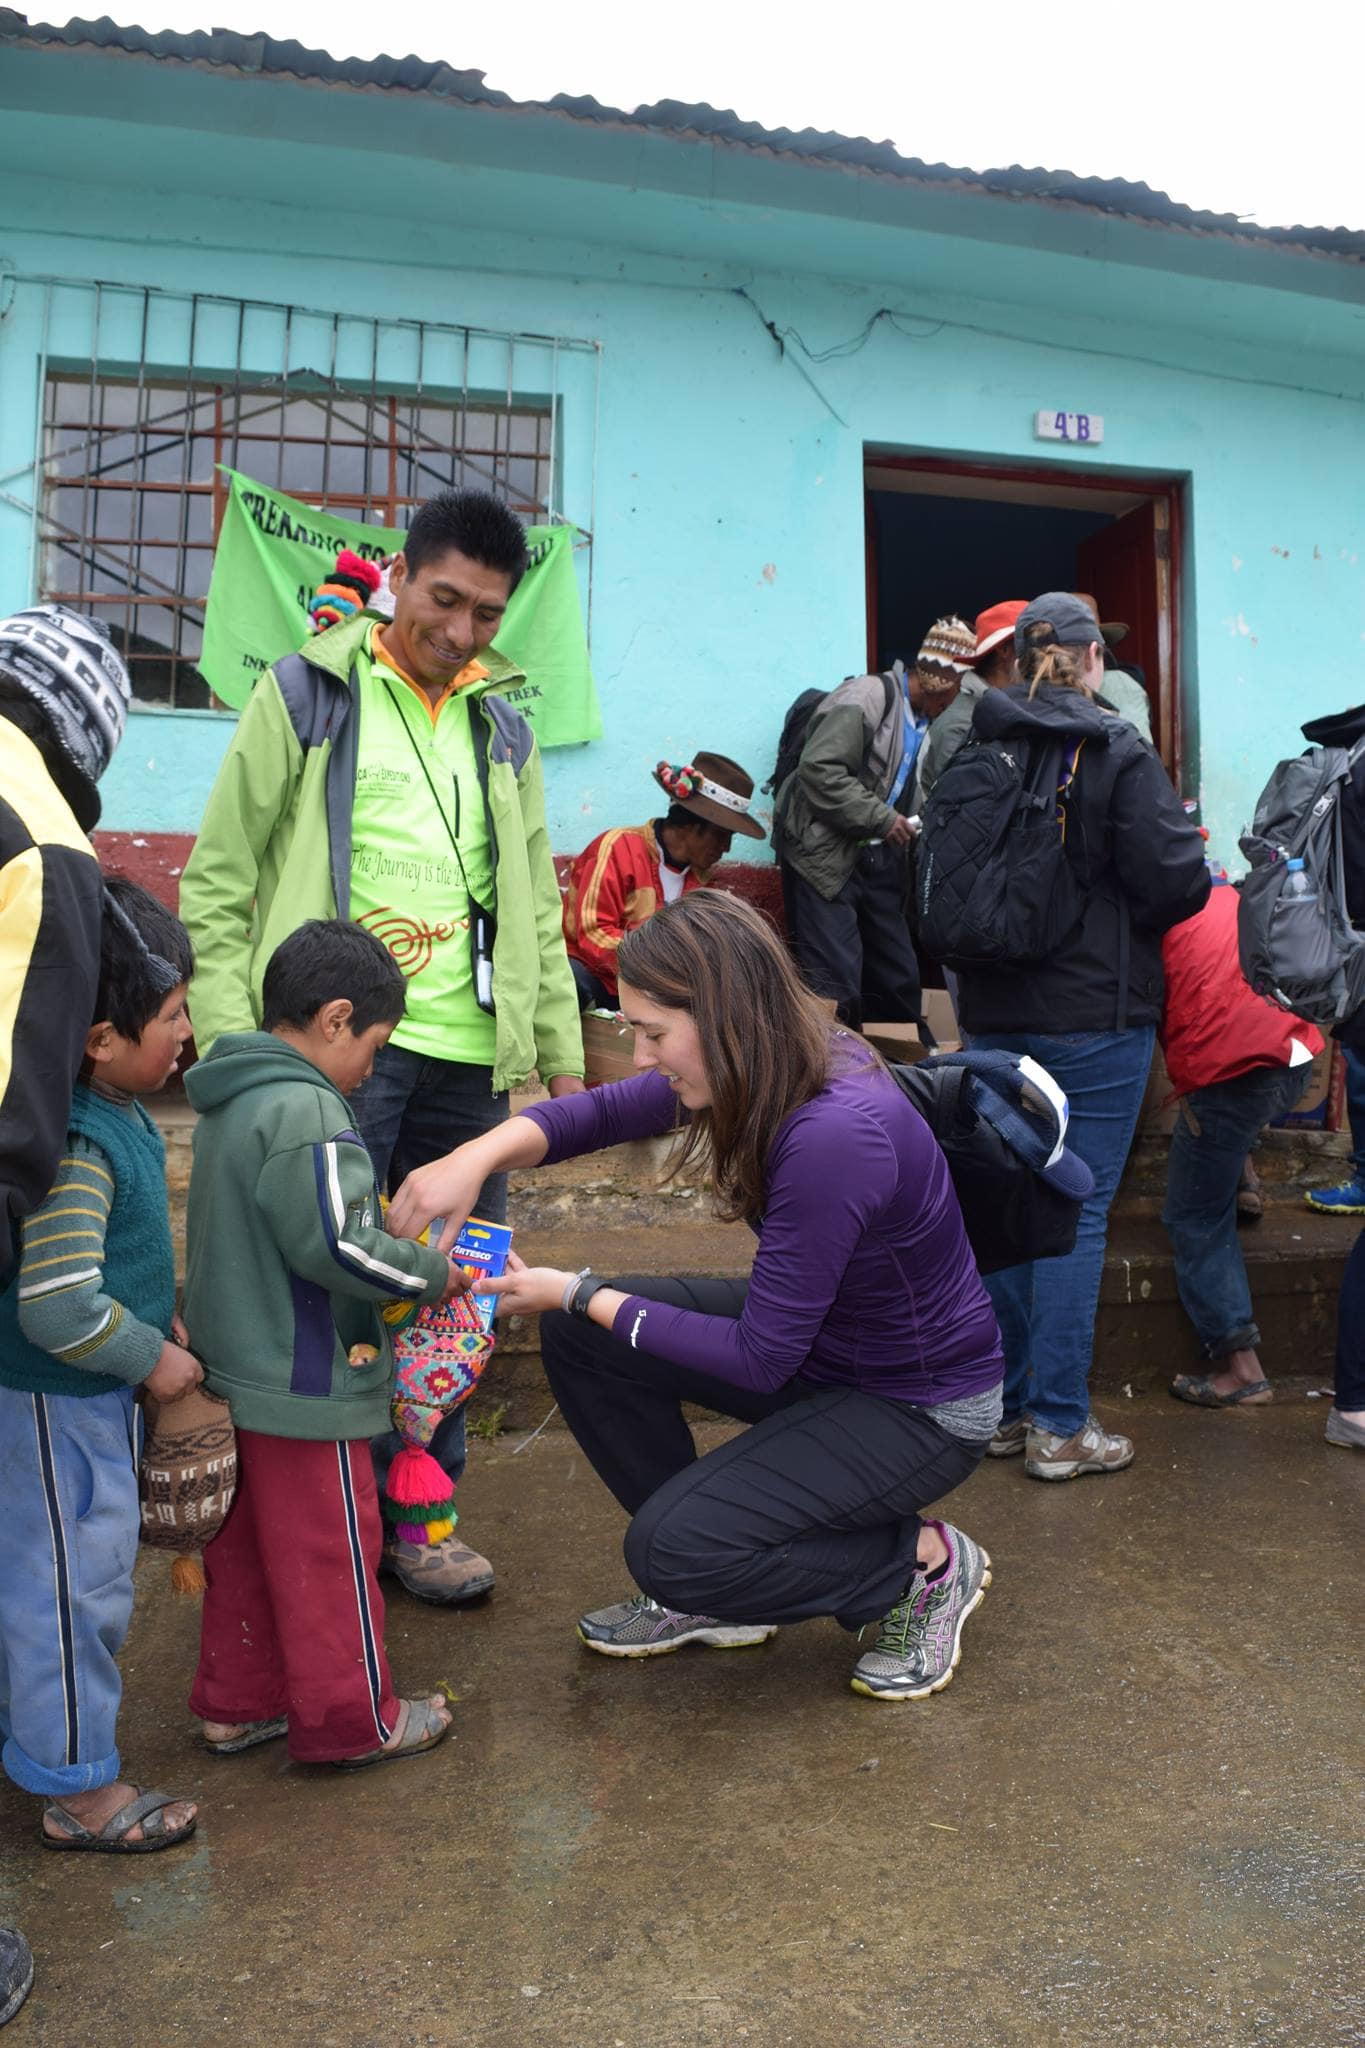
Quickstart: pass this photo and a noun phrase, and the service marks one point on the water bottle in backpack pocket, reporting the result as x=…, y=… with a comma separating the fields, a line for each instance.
x=1295, y=939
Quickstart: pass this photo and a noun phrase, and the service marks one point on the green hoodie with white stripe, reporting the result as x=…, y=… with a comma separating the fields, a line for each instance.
x=288, y=1265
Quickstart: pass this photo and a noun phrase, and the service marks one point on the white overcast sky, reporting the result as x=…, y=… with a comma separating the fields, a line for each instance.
x=1236, y=105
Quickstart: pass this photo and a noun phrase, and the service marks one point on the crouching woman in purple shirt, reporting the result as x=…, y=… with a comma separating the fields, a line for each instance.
x=863, y=1352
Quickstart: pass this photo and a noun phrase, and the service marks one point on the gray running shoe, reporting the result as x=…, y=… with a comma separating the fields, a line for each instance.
x=639, y=1627
x=1009, y=1439
x=1350, y=1435
x=1091, y=1449
x=920, y=1641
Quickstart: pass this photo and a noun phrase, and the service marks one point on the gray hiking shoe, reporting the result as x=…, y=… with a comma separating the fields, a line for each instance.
x=1091, y=1449
x=639, y=1627
x=1350, y=1435
x=444, y=1574
x=1009, y=1439
x=920, y=1641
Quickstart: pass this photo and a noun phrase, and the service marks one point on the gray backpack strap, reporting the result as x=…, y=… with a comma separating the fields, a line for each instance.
x=512, y=739
x=310, y=697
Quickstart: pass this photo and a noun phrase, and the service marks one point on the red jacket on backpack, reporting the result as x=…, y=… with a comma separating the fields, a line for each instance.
x=1214, y=1027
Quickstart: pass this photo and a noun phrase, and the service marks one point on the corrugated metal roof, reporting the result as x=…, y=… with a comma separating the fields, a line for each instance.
x=263, y=56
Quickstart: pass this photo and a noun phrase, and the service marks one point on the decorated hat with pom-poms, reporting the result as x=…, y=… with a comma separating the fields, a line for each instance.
x=347, y=591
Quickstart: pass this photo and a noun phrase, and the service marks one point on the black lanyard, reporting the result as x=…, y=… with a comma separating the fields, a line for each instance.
x=452, y=831
x=483, y=925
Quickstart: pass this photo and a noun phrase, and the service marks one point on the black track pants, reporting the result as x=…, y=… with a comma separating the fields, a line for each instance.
x=813, y=1510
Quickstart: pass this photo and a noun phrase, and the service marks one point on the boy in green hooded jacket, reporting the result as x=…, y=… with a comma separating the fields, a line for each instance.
x=288, y=1270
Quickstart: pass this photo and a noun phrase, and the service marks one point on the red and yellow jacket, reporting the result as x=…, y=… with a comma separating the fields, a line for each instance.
x=613, y=885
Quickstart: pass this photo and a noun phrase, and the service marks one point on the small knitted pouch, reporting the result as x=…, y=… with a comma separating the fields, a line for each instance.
x=186, y=1478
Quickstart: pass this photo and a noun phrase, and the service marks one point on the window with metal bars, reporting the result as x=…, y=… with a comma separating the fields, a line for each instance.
x=132, y=497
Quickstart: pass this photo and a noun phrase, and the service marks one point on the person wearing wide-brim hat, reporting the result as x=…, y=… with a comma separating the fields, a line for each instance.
x=628, y=872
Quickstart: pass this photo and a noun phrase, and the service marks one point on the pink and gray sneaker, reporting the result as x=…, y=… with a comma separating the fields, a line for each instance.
x=919, y=1642
x=640, y=1627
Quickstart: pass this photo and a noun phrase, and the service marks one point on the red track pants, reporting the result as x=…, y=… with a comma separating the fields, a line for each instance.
x=293, y=1616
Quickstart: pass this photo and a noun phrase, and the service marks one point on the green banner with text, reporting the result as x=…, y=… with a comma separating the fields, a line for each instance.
x=273, y=552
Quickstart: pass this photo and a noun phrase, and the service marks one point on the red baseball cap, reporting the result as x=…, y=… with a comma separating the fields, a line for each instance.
x=997, y=624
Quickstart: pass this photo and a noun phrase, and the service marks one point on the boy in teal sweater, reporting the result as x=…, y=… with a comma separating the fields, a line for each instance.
x=89, y=1318
x=289, y=1269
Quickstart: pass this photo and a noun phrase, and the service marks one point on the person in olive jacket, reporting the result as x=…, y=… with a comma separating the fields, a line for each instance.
x=1088, y=1013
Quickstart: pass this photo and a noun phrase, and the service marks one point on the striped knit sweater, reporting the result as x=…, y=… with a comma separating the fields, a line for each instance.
x=92, y=1302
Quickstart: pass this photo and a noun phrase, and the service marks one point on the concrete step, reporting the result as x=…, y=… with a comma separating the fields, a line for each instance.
x=609, y=1211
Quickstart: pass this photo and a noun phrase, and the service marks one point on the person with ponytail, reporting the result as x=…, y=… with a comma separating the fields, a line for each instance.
x=1088, y=1013
x=862, y=1354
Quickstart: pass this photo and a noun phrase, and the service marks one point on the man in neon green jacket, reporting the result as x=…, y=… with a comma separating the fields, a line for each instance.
x=380, y=776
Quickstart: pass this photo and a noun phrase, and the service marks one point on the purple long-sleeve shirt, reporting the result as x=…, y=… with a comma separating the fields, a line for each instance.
x=863, y=1275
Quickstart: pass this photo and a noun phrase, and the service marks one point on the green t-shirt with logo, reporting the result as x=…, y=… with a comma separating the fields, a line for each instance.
x=406, y=883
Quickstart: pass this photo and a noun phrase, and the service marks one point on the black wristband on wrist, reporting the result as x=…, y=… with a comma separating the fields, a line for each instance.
x=588, y=1285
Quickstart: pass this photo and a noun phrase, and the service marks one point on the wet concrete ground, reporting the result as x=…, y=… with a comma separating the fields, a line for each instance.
x=1135, y=1817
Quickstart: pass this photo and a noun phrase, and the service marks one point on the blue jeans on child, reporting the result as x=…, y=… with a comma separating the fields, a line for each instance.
x=68, y=1543
x=1215, y=1129
x=1046, y=1310
x=413, y=1110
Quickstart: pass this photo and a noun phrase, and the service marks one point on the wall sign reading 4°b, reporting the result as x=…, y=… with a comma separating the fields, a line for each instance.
x=1084, y=427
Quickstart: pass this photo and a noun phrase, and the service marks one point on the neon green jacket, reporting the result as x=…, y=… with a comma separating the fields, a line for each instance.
x=274, y=849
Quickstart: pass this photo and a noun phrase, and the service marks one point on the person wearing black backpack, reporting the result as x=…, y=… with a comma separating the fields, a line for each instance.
x=842, y=828
x=1075, y=981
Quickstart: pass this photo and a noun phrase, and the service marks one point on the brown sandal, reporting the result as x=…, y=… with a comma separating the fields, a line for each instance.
x=112, y=1839
x=422, y=1730
x=1198, y=1388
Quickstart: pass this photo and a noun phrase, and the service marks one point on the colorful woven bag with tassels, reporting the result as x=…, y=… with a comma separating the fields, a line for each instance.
x=439, y=1357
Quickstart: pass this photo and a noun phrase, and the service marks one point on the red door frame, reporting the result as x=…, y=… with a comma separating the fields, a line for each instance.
x=1166, y=493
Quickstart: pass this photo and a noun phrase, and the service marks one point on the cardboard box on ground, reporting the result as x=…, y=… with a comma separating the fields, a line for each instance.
x=901, y=1042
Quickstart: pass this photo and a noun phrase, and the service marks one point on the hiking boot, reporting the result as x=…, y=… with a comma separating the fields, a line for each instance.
x=444, y=1574
x=1347, y=1200
x=639, y=1627
x=1091, y=1449
x=1350, y=1435
x=16, y=1972
x=1009, y=1439
x=920, y=1641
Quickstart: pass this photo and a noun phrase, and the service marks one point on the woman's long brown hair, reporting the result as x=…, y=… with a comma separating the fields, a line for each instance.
x=765, y=1040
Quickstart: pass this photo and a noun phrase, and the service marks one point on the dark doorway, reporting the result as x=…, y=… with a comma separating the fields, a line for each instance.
x=948, y=538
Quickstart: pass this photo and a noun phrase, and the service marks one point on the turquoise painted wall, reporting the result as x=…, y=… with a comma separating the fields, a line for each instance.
x=728, y=566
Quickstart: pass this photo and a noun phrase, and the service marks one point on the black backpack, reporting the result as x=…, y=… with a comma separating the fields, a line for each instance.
x=796, y=724
x=1294, y=932
x=994, y=881
x=997, y=1130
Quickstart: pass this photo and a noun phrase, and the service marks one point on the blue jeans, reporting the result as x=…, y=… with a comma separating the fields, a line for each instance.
x=413, y=1110
x=68, y=1543
x=1350, y=1384
x=1046, y=1310
x=1355, y=1108
x=1214, y=1131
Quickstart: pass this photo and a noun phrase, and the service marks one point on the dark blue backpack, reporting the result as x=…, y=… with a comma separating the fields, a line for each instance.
x=1002, y=1132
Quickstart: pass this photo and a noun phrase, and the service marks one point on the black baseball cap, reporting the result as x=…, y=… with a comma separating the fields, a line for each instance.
x=1073, y=623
